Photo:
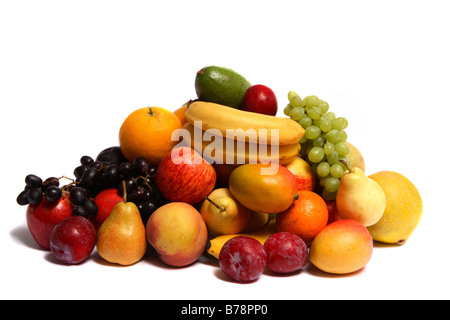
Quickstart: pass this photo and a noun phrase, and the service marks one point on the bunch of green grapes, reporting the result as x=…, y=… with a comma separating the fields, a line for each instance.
x=324, y=141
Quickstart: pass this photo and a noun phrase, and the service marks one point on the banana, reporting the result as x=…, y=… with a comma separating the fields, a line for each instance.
x=216, y=116
x=214, y=245
x=250, y=154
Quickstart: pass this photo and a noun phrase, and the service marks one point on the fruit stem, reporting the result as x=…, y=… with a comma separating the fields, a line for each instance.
x=124, y=191
x=215, y=204
x=191, y=102
x=347, y=165
x=151, y=111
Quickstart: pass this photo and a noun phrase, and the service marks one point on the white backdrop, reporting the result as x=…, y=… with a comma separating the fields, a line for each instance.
x=71, y=71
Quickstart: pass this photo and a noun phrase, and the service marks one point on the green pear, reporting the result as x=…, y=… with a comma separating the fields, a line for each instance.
x=359, y=197
x=122, y=237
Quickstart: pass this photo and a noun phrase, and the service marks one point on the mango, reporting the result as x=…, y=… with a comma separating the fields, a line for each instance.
x=342, y=247
x=221, y=85
x=272, y=191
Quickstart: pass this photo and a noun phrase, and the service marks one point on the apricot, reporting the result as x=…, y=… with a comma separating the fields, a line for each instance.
x=342, y=247
x=178, y=233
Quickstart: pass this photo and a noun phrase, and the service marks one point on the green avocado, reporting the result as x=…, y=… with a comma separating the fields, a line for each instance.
x=221, y=85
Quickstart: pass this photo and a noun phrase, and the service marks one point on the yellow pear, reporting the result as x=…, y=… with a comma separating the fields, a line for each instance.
x=355, y=156
x=360, y=198
x=122, y=236
x=404, y=208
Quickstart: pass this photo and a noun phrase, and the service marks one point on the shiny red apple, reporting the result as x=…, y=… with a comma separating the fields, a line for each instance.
x=43, y=217
x=106, y=200
x=260, y=99
x=184, y=176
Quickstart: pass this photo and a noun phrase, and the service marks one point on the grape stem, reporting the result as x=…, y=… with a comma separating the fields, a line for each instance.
x=347, y=165
x=222, y=209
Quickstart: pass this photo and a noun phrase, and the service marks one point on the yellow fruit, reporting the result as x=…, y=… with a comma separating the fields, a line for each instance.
x=251, y=153
x=356, y=158
x=180, y=113
x=223, y=118
x=214, y=246
x=404, y=208
x=342, y=247
x=223, y=214
x=257, y=221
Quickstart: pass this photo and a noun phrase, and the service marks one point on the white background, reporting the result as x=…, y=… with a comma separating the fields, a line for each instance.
x=71, y=71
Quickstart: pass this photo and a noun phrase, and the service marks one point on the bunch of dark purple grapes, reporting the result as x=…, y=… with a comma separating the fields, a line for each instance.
x=35, y=190
x=110, y=169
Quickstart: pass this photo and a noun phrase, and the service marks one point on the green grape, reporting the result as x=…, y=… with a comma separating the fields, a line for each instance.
x=323, y=145
x=313, y=132
x=292, y=94
x=305, y=121
x=316, y=154
x=343, y=136
x=323, y=169
x=329, y=116
x=332, y=184
x=332, y=158
x=311, y=101
x=287, y=109
x=341, y=148
x=336, y=170
x=296, y=101
x=328, y=147
x=314, y=113
x=325, y=125
x=319, y=142
x=323, y=105
x=303, y=140
x=296, y=113
x=333, y=136
x=339, y=123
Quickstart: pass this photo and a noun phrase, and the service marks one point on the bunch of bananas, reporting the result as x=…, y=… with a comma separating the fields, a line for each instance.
x=215, y=130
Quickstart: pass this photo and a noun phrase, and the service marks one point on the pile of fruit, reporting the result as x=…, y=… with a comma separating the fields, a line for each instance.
x=224, y=176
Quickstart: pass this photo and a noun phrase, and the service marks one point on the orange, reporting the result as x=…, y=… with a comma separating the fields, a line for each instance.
x=306, y=217
x=147, y=132
x=180, y=113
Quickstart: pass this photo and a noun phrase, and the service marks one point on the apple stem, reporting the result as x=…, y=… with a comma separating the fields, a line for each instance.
x=215, y=204
x=347, y=165
x=124, y=191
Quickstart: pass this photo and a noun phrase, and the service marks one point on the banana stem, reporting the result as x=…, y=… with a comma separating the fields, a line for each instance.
x=215, y=204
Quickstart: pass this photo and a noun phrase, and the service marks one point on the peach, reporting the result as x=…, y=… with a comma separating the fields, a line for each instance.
x=178, y=233
x=306, y=180
x=342, y=247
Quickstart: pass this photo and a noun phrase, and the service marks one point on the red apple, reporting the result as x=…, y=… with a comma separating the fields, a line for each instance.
x=306, y=180
x=184, y=176
x=106, y=200
x=43, y=217
x=333, y=214
x=260, y=99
